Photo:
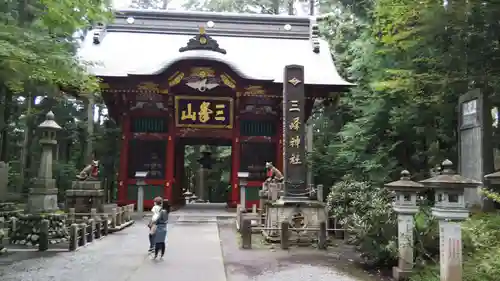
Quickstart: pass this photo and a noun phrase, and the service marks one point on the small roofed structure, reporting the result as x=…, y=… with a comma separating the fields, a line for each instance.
x=187, y=78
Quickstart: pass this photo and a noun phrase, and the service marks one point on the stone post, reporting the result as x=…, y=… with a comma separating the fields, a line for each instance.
x=73, y=237
x=319, y=192
x=43, y=240
x=91, y=230
x=285, y=235
x=405, y=205
x=98, y=227
x=246, y=234
x=83, y=238
x=71, y=215
x=322, y=243
x=242, y=182
x=113, y=218
x=126, y=211
x=119, y=216
x=2, y=223
x=450, y=210
x=42, y=197
x=105, y=226
x=13, y=227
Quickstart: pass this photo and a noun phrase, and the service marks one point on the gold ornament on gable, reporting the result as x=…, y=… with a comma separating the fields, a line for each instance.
x=175, y=79
x=228, y=81
x=104, y=86
x=148, y=86
x=254, y=91
x=202, y=72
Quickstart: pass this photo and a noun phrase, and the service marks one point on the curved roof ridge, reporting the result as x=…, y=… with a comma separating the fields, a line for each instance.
x=224, y=24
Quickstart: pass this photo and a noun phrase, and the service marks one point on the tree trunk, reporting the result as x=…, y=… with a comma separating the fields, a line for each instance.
x=6, y=119
x=3, y=122
x=26, y=142
x=89, y=156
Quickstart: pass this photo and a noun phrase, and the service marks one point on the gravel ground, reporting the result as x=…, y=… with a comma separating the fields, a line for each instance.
x=264, y=263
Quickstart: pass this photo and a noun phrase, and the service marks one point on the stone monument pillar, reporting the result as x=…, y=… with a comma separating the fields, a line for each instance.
x=42, y=196
x=475, y=152
x=405, y=205
x=299, y=206
x=450, y=210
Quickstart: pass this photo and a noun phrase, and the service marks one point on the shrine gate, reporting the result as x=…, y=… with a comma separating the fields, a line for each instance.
x=176, y=78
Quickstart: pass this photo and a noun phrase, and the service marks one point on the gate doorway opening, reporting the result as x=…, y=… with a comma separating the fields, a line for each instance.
x=203, y=168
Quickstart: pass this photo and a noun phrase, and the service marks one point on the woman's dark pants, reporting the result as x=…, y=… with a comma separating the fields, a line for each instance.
x=151, y=244
x=160, y=247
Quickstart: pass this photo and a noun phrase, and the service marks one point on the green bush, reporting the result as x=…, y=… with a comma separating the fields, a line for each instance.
x=365, y=212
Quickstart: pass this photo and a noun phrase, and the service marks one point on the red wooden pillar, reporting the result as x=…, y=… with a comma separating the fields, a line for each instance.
x=179, y=178
x=235, y=155
x=279, y=145
x=123, y=172
x=170, y=165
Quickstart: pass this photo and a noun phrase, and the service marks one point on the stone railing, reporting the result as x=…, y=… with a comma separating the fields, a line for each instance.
x=118, y=218
x=86, y=232
x=77, y=229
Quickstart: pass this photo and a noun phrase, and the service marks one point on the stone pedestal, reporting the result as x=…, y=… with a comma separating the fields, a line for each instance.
x=405, y=247
x=302, y=215
x=42, y=197
x=84, y=196
x=450, y=250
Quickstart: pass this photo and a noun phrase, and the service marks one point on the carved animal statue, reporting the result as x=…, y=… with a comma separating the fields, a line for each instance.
x=90, y=172
x=273, y=174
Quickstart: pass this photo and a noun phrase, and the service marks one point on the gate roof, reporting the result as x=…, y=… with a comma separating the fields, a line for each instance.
x=258, y=47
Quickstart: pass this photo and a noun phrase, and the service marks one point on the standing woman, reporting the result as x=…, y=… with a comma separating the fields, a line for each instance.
x=160, y=236
x=152, y=226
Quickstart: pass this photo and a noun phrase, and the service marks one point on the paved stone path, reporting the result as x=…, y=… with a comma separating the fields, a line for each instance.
x=200, y=248
x=194, y=253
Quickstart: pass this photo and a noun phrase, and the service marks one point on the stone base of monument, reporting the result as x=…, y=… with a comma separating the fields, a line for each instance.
x=400, y=274
x=42, y=197
x=304, y=217
x=84, y=196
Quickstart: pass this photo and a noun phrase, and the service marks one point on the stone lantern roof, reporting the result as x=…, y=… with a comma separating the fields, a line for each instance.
x=405, y=183
x=449, y=179
x=49, y=122
x=492, y=176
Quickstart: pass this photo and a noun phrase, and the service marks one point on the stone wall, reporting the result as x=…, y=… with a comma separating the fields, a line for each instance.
x=27, y=230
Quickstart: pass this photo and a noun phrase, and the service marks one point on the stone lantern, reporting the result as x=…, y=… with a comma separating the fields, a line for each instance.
x=43, y=195
x=405, y=205
x=450, y=210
